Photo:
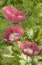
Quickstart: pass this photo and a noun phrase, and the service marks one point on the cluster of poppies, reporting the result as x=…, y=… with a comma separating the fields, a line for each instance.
x=14, y=33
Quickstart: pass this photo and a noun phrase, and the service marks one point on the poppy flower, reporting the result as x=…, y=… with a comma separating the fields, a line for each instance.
x=13, y=33
x=29, y=48
x=13, y=15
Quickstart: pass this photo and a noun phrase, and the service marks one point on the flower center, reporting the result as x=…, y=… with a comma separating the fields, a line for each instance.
x=11, y=36
x=29, y=50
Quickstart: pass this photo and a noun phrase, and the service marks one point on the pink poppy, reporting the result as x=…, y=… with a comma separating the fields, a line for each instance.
x=13, y=15
x=13, y=34
x=29, y=48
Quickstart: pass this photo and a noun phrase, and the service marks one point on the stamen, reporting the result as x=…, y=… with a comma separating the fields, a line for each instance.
x=11, y=36
x=29, y=50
